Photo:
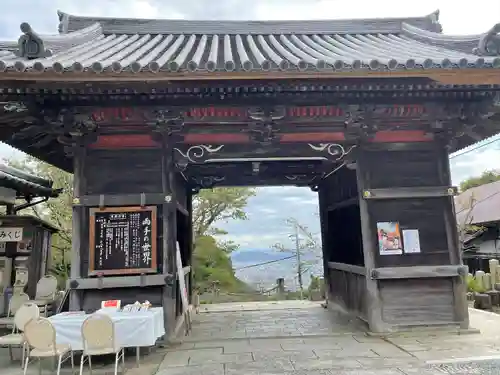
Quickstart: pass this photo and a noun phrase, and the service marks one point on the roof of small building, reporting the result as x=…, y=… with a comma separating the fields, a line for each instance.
x=479, y=205
x=26, y=185
x=97, y=44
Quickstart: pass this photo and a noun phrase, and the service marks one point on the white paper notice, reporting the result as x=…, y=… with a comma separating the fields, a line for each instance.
x=411, y=241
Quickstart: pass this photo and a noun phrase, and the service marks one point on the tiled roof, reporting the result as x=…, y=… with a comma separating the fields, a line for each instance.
x=26, y=184
x=115, y=45
x=485, y=207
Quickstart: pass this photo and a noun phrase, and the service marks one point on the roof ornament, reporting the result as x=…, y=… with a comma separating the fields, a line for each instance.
x=489, y=44
x=30, y=45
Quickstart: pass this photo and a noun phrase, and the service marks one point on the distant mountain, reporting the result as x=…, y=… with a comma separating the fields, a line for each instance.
x=265, y=275
x=257, y=256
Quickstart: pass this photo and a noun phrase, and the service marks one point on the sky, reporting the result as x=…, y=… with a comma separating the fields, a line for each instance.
x=268, y=210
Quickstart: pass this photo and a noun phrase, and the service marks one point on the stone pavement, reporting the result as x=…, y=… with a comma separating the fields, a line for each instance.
x=300, y=337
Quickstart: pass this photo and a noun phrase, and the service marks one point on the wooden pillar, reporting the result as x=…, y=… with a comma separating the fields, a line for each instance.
x=450, y=219
x=189, y=242
x=79, y=153
x=169, y=236
x=373, y=299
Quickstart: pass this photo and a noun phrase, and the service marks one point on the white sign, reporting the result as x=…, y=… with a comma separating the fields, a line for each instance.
x=411, y=241
x=182, y=281
x=11, y=234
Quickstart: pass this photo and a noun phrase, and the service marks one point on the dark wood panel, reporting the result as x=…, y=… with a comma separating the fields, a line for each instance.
x=417, y=301
x=426, y=215
x=340, y=186
x=348, y=290
x=389, y=169
x=123, y=172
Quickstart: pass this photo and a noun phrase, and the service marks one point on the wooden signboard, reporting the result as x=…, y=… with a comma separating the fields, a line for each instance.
x=122, y=240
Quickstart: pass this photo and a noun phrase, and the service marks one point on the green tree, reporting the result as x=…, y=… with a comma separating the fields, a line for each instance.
x=211, y=265
x=57, y=211
x=216, y=205
x=307, y=248
x=485, y=178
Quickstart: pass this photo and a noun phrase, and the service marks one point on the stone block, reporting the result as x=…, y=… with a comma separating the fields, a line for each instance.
x=495, y=297
x=493, y=263
x=487, y=281
x=479, y=276
x=482, y=301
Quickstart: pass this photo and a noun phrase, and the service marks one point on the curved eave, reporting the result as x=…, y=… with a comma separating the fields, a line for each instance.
x=26, y=185
x=462, y=43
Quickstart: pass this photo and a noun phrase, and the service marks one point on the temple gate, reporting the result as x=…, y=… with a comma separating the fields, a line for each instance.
x=364, y=112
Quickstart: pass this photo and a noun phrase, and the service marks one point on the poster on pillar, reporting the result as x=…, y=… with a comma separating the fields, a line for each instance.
x=122, y=240
x=411, y=241
x=389, y=238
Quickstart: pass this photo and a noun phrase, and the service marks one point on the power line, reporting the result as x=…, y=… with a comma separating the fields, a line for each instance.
x=264, y=263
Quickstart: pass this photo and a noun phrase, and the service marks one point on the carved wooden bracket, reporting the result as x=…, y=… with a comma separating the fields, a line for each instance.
x=65, y=126
x=264, y=128
x=206, y=182
x=165, y=122
x=358, y=124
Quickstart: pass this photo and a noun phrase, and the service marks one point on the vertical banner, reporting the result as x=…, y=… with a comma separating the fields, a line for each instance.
x=182, y=281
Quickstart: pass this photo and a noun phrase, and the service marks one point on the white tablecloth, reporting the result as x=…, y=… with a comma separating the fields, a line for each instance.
x=132, y=329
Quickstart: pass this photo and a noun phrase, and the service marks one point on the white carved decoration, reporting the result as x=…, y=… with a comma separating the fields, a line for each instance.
x=332, y=149
x=194, y=154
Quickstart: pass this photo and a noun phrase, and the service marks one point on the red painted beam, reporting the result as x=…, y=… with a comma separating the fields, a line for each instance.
x=313, y=137
x=402, y=136
x=145, y=140
x=124, y=141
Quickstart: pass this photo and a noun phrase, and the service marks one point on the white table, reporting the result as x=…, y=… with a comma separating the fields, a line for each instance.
x=132, y=329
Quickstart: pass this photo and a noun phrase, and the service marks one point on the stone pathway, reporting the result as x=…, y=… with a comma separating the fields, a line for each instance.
x=298, y=337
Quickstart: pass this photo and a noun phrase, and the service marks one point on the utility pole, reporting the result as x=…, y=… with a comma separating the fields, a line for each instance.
x=299, y=263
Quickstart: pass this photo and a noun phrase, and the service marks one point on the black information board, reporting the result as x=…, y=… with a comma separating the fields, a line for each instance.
x=122, y=240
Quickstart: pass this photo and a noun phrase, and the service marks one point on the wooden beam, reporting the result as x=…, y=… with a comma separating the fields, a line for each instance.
x=455, y=76
x=109, y=200
x=117, y=282
x=359, y=270
x=342, y=204
x=417, y=272
x=410, y=192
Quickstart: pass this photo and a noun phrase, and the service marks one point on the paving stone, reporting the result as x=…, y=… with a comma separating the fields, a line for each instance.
x=321, y=353
x=208, y=369
x=278, y=366
x=222, y=358
x=318, y=364
x=389, y=362
x=294, y=356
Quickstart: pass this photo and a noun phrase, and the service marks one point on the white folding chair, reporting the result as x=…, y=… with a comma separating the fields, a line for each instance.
x=16, y=301
x=24, y=314
x=98, y=334
x=40, y=335
x=46, y=290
